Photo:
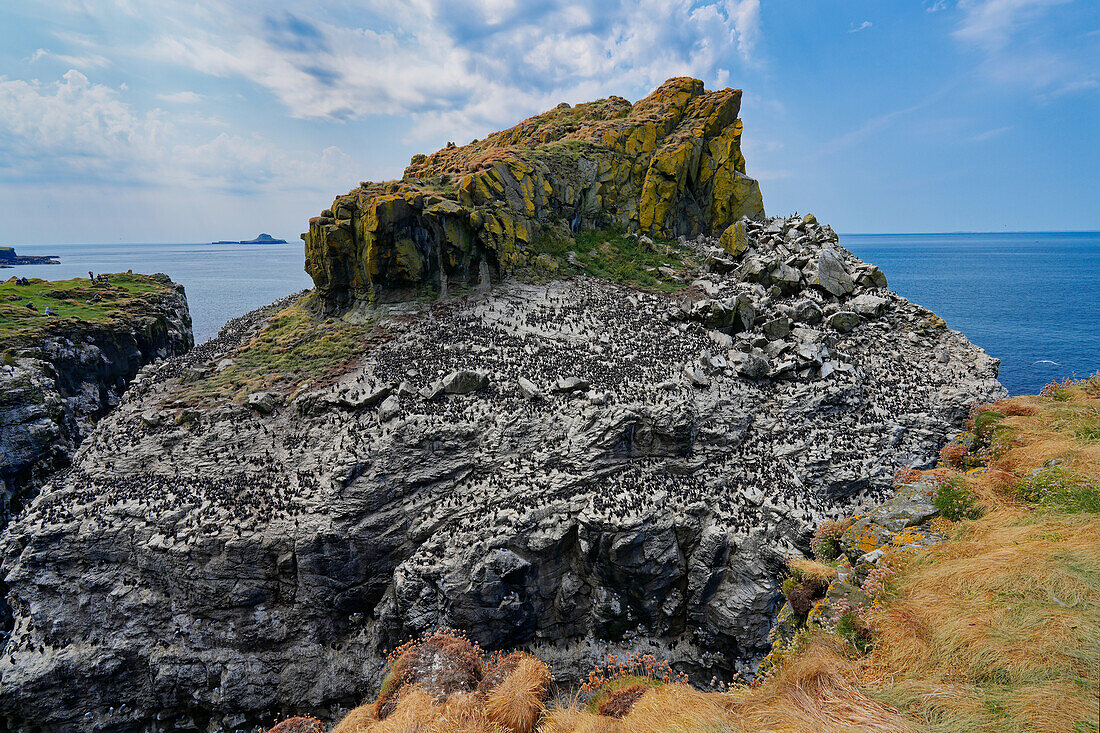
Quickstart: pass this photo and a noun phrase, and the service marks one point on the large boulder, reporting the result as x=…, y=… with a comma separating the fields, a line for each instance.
x=830, y=274
x=909, y=507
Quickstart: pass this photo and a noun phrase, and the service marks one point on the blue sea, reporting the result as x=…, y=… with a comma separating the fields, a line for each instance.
x=1030, y=299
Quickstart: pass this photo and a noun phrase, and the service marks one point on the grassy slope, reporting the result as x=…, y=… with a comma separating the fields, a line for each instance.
x=998, y=628
x=123, y=298
x=620, y=257
x=295, y=349
x=995, y=629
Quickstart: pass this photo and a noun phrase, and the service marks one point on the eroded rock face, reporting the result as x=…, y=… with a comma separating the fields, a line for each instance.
x=52, y=391
x=669, y=165
x=610, y=470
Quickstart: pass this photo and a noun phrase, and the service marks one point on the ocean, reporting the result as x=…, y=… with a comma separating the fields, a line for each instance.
x=1030, y=299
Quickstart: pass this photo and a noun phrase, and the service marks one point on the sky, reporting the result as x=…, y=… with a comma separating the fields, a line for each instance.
x=172, y=121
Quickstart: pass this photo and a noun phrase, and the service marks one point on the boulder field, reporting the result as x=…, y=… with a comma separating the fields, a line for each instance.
x=553, y=461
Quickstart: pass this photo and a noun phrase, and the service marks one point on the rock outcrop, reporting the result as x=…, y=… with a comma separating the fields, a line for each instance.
x=567, y=465
x=58, y=378
x=669, y=165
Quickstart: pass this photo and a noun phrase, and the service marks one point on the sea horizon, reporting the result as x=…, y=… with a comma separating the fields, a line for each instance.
x=296, y=239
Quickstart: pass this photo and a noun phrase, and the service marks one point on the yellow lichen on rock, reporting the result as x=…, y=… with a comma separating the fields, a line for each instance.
x=733, y=239
x=668, y=165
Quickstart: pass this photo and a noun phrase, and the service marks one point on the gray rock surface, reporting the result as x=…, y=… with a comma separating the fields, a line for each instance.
x=52, y=393
x=234, y=563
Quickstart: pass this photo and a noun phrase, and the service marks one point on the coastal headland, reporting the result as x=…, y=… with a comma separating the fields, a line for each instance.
x=567, y=390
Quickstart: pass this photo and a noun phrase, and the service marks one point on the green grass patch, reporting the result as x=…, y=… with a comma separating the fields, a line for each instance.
x=1086, y=425
x=75, y=301
x=955, y=500
x=1059, y=490
x=612, y=254
x=296, y=347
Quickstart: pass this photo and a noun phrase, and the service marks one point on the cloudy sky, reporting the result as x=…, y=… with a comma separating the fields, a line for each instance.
x=166, y=121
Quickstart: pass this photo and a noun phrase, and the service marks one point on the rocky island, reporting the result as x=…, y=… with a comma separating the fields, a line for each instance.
x=262, y=239
x=566, y=389
x=9, y=258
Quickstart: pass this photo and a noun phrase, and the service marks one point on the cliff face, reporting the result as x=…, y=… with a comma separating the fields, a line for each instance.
x=571, y=465
x=61, y=375
x=668, y=165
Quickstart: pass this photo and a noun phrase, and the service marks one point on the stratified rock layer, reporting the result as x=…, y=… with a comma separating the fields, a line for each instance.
x=668, y=165
x=572, y=466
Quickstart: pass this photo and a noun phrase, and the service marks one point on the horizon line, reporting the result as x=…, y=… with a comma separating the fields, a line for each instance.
x=842, y=234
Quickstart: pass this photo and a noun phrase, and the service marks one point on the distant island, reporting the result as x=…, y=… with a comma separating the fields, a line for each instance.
x=262, y=239
x=8, y=258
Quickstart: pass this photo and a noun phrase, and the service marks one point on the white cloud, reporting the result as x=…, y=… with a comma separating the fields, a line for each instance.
x=463, y=65
x=184, y=97
x=861, y=27
x=89, y=61
x=990, y=24
x=1009, y=34
x=80, y=131
x=450, y=69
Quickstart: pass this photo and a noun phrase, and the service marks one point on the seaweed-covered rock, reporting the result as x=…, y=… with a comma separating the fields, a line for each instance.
x=669, y=165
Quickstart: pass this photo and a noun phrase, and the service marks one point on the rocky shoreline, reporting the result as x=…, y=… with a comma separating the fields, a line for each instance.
x=9, y=259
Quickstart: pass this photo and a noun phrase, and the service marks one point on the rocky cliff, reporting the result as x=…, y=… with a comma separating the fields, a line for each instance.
x=63, y=372
x=615, y=448
x=668, y=165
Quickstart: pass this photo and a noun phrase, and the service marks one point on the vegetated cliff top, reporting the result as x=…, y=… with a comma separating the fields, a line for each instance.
x=78, y=303
x=669, y=165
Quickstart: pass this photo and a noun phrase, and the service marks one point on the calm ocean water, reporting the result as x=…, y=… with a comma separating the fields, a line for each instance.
x=1031, y=299
x=222, y=281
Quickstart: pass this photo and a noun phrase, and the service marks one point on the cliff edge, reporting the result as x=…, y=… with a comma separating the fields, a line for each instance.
x=69, y=350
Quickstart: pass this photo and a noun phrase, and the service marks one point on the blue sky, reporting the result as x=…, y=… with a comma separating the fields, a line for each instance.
x=166, y=121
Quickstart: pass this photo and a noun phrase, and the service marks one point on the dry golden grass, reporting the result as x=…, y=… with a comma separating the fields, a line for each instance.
x=517, y=703
x=810, y=570
x=995, y=618
x=999, y=628
x=815, y=691
x=672, y=708
x=678, y=708
x=358, y=720
x=574, y=719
